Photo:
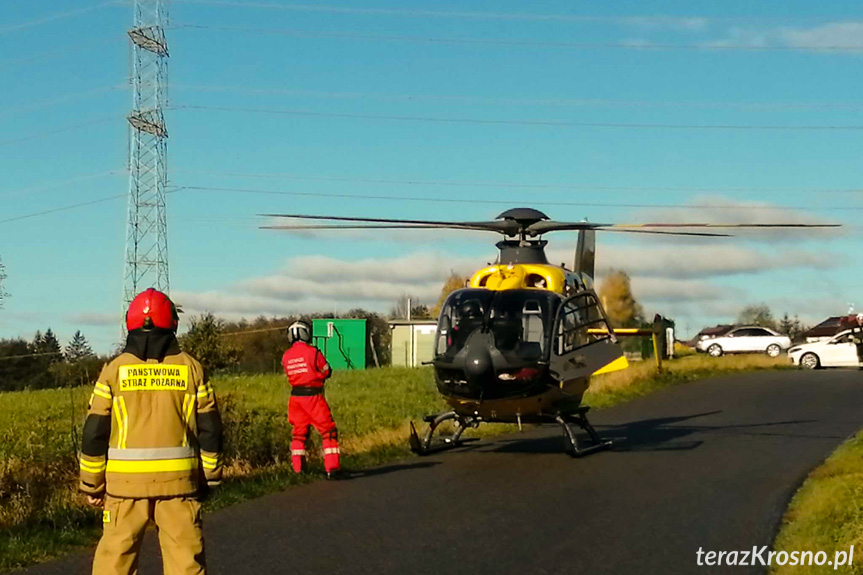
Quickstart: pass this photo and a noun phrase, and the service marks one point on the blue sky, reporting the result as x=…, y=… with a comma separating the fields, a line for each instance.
x=451, y=110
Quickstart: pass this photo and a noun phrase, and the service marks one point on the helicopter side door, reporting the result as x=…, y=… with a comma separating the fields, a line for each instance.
x=576, y=353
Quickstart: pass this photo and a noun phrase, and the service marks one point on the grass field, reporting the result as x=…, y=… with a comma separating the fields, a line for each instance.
x=42, y=516
x=826, y=514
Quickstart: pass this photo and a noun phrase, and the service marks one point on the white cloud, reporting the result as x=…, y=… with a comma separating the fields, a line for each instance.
x=654, y=290
x=697, y=261
x=721, y=210
x=315, y=283
x=843, y=35
x=416, y=268
x=98, y=319
x=835, y=34
x=684, y=24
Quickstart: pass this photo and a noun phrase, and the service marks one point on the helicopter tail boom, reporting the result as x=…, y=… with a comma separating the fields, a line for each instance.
x=585, y=254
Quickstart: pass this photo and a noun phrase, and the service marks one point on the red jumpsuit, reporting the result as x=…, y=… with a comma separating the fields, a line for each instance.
x=307, y=369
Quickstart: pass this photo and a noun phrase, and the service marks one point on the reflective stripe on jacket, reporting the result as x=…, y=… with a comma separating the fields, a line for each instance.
x=153, y=429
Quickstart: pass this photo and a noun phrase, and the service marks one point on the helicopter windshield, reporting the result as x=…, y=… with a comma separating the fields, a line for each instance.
x=463, y=313
x=519, y=321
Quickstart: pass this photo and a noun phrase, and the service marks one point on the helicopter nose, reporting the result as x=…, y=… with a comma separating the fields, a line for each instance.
x=478, y=364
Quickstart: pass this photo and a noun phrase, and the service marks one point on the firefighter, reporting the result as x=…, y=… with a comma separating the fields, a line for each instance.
x=307, y=369
x=151, y=445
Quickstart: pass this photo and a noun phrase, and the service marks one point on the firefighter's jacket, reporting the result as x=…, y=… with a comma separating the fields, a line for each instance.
x=305, y=366
x=153, y=429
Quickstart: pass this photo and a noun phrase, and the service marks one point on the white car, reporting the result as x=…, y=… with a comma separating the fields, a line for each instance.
x=746, y=339
x=838, y=351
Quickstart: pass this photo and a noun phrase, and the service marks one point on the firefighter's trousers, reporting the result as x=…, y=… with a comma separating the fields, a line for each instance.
x=307, y=411
x=178, y=523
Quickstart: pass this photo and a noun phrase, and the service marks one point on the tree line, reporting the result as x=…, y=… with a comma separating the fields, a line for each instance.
x=257, y=346
x=43, y=363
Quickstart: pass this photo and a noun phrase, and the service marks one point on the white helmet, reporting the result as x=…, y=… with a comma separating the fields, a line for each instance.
x=299, y=331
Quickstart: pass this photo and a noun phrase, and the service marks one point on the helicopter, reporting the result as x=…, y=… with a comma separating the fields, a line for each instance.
x=521, y=341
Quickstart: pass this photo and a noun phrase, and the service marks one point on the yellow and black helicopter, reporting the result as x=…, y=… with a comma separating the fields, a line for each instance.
x=520, y=342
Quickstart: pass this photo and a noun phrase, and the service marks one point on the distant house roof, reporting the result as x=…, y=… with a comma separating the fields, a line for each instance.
x=829, y=327
x=395, y=322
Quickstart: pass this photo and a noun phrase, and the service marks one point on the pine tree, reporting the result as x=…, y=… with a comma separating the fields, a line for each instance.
x=786, y=326
x=46, y=344
x=78, y=348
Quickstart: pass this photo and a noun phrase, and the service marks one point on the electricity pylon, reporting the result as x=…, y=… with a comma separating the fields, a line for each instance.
x=147, y=229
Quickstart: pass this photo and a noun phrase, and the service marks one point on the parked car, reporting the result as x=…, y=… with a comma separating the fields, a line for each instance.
x=837, y=351
x=708, y=332
x=745, y=339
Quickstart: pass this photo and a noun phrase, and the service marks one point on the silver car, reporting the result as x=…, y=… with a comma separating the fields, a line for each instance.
x=745, y=339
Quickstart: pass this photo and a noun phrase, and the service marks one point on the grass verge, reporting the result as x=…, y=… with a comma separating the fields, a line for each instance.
x=826, y=514
x=41, y=515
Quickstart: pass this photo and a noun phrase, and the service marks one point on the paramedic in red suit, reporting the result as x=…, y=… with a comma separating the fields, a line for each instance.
x=307, y=369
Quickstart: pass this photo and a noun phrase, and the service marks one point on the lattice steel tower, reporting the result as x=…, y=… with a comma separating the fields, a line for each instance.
x=147, y=228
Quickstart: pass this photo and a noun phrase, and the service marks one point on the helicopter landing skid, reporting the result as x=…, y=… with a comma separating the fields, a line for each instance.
x=425, y=446
x=579, y=418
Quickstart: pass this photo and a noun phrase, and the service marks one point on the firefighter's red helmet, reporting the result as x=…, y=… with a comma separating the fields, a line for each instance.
x=152, y=308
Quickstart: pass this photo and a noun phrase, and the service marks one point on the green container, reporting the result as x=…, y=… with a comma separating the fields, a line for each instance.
x=342, y=341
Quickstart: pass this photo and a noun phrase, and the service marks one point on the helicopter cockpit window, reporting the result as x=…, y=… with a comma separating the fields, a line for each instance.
x=532, y=323
x=463, y=313
x=519, y=322
x=579, y=313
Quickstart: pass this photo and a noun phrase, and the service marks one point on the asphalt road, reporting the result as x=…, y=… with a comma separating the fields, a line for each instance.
x=708, y=465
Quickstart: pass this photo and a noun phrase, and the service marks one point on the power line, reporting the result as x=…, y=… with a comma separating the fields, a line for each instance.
x=691, y=22
x=701, y=47
x=572, y=18
x=511, y=185
x=247, y=332
x=60, y=100
x=74, y=206
x=63, y=51
x=30, y=355
x=59, y=130
x=509, y=201
x=509, y=122
x=461, y=99
x=56, y=16
x=62, y=209
x=60, y=183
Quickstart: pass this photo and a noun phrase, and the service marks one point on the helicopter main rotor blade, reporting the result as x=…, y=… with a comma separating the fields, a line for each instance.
x=552, y=226
x=736, y=226
x=501, y=226
x=370, y=227
x=657, y=232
